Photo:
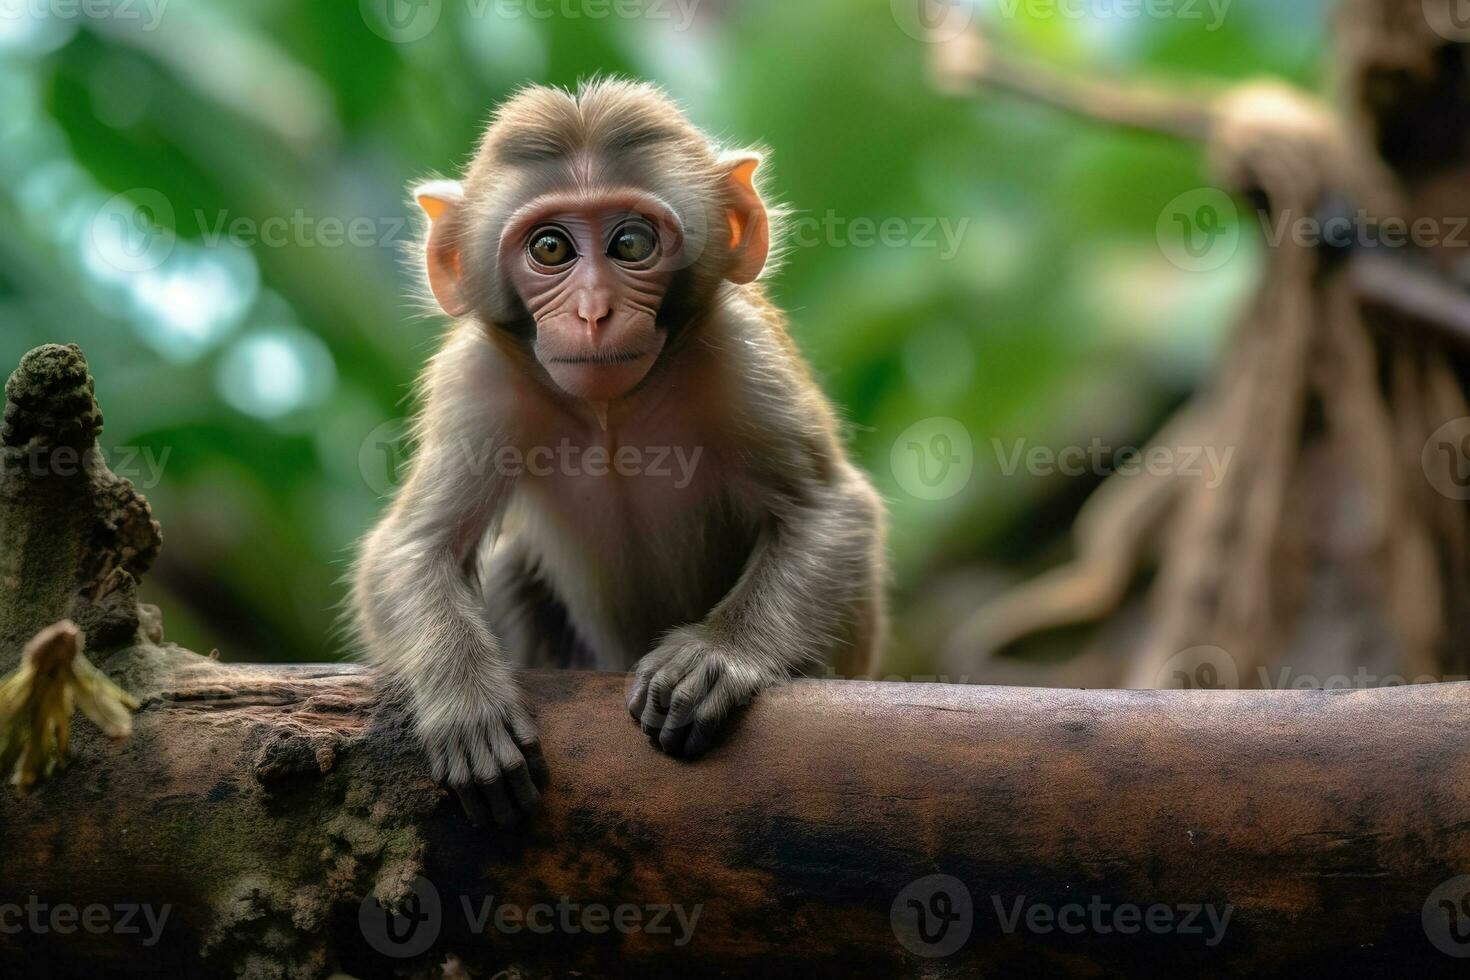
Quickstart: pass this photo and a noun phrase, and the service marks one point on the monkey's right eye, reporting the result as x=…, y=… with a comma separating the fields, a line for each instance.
x=551, y=247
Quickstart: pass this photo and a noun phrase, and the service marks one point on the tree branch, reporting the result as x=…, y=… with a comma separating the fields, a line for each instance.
x=969, y=63
x=263, y=803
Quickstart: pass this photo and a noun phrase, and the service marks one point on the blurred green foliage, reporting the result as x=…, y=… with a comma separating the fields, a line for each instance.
x=253, y=367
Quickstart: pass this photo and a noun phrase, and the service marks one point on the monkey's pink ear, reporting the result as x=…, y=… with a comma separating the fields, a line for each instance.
x=750, y=227
x=441, y=200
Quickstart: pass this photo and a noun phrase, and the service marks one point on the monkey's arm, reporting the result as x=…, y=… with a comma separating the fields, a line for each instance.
x=812, y=590
x=419, y=621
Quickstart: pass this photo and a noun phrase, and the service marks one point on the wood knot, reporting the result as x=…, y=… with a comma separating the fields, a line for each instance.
x=288, y=756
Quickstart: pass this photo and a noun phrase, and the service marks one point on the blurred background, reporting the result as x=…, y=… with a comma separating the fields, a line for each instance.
x=210, y=198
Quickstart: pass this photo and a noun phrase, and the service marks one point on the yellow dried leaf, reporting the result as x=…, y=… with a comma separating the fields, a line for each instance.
x=37, y=701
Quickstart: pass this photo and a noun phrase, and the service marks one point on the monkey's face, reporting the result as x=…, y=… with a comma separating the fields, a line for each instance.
x=593, y=272
x=589, y=227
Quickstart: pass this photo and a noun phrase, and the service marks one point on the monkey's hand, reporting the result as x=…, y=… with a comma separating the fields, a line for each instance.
x=490, y=756
x=685, y=692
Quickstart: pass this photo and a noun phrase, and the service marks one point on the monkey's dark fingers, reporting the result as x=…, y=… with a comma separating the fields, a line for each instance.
x=685, y=701
x=450, y=764
x=661, y=692
x=473, y=804
x=514, y=774
x=535, y=762
x=471, y=781
x=643, y=674
x=501, y=808
x=450, y=761
x=715, y=713
x=507, y=801
x=523, y=790
x=704, y=732
x=672, y=738
x=524, y=733
x=453, y=764
x=638, y=690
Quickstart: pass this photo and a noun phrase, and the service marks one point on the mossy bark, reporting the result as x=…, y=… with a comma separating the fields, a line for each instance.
x=75, y=538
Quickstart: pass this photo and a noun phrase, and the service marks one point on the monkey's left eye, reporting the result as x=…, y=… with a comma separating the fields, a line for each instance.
x=633, y=242
x=551, y=247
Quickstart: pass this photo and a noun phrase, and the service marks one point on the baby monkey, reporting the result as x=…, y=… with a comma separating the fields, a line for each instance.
x=621, y=460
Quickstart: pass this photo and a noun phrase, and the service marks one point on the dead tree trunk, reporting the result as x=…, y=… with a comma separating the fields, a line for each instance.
x=1302, y=831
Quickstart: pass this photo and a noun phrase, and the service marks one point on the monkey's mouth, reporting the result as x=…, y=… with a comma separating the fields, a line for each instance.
x=626, y=357
x=604, y=375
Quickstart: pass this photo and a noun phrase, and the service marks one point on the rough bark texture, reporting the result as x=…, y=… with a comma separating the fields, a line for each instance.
x=75, y=538
x=264, y=803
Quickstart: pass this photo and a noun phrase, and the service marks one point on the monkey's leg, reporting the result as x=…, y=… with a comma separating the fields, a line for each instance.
x=810, y=590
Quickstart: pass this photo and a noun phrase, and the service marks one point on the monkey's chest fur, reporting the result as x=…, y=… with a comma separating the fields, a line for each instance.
x=614, y=544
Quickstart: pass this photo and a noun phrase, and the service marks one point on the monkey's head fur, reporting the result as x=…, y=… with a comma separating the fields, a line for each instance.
x=590, y=228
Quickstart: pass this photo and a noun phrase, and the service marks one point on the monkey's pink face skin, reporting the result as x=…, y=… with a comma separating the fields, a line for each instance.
x=593, y=272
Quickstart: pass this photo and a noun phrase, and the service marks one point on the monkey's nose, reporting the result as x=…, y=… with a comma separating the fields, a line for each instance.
x=594, y=308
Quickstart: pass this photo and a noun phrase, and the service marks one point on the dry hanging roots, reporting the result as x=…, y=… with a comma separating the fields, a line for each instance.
x=1324, y=538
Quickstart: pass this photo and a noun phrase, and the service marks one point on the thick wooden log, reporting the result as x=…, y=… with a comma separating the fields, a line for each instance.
x=1098, y=831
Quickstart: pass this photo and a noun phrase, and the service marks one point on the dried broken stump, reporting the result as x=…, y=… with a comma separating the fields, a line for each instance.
x=75, y=538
